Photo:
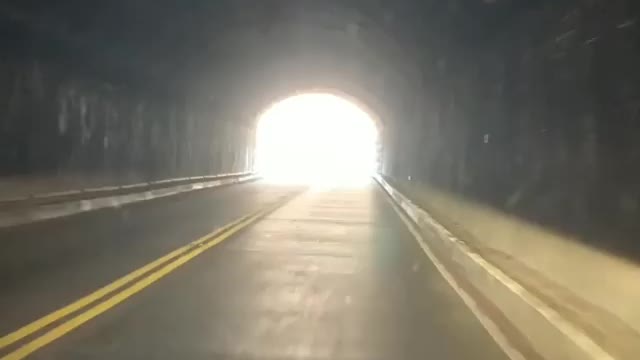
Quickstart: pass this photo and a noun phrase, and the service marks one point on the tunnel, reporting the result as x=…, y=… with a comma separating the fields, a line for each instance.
x=498, y=218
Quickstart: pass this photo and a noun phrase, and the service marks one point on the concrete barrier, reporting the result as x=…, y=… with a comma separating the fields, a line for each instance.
x=548, y=332
x=87, y=193
x=54, y=205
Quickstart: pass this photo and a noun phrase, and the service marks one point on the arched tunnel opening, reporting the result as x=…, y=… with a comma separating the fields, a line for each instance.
x=316, y=138
x=161, y=152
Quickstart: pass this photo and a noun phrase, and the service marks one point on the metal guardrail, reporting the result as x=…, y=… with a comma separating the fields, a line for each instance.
x=88, y=193
x=54, y=205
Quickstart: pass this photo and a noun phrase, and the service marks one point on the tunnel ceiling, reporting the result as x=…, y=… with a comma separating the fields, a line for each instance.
x=377, y=51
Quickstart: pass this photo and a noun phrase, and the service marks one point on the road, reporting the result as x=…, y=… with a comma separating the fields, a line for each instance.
x=329, y=274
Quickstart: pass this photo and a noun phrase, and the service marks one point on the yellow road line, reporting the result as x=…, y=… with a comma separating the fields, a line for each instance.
x=80, y=303
x=100, y=308
x=208, y=241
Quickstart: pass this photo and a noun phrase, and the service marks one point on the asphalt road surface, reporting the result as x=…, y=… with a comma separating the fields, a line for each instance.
x=329, y=274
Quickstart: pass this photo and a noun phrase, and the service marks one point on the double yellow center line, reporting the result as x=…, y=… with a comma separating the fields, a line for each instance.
x=154, y=271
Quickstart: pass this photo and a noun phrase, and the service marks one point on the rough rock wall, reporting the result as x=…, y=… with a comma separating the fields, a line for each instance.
x=54, y=121
x=540, y=119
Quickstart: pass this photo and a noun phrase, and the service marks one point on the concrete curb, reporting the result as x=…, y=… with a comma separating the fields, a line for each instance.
x=549, y=333
x=59, y=196
x=64, y=203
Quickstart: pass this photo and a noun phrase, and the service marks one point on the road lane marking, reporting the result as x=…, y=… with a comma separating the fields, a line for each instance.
x=490, y=326
x=182, y=254
x=98, y=294
x=121, y=296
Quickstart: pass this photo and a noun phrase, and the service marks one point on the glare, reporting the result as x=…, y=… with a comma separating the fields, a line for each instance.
x=316, y=139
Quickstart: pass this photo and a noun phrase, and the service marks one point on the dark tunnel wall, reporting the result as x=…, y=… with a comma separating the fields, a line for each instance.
x=69, y=106
x=538, y=119
x=54, y=122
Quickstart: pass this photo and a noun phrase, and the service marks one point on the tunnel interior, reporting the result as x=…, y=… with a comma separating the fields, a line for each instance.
x=527, y=110
x=506, y=103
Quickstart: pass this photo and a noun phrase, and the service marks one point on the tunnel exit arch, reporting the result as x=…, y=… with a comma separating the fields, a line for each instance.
x=317, y=135
x=364, y=105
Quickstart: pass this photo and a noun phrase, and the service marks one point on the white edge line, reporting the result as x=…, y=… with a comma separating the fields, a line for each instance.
x=491, y=327
x=55, y=194
x=100, y=189
x=552, y=316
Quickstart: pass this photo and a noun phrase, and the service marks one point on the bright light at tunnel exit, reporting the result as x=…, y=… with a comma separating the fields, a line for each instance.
x=318, y=139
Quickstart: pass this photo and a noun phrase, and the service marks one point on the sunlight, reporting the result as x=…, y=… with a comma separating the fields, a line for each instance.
x=318, y=139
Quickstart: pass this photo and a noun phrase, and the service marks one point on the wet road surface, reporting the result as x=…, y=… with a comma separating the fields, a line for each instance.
x=331, y=274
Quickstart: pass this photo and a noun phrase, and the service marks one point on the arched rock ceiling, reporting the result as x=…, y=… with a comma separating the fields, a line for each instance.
x=249, y=53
